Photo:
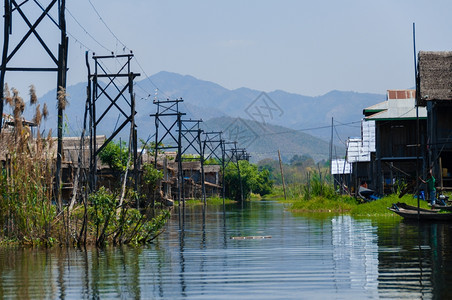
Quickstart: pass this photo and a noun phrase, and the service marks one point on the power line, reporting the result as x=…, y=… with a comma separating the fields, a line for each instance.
x=108, y=28
x=305, y=129
x=58, y=25
x=86, y=31
x=149, y=79
x=349, y=124
x=337, y=134
x=125, y=47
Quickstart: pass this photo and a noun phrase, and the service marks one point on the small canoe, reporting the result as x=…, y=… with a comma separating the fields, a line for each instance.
x=412, y=213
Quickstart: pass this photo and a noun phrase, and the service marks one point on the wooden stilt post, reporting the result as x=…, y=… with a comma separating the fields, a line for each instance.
x=282, y=175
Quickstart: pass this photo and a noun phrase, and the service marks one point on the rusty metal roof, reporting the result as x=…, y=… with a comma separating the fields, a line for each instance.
x=401, y=94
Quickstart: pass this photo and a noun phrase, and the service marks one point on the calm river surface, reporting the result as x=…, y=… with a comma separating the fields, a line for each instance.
x=307, y=257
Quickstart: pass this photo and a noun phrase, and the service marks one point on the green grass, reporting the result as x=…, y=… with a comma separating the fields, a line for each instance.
x=380, y=207
x=219, y=201
x=339, y=204
x=348, y=205
x=210, y=201
x=255, y=197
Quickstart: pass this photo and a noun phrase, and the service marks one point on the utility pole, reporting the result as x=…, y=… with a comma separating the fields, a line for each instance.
x=61, y=97
x=203, y=175
x=418, y=141
x=282, y=174
x=172, y=129
x=191, y=133
x=238, y=170
x=236, y=157
x=59, y=59
x=331, y=147
x=212, y=143
x=223, y=154
x=116, y=97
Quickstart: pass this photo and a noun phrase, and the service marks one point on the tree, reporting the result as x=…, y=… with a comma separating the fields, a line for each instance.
x=253, y=180
x=150, y=147
x=115, y=155
x=151, y=177
x=303, y=160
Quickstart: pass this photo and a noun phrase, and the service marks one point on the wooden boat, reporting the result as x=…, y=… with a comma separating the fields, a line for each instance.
x=410, y=207
x=442, y=207
x=411, y=212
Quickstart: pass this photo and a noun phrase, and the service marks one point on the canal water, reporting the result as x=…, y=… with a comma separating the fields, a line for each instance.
x=205, y=255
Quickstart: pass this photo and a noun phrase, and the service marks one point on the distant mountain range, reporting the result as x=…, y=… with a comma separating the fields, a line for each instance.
x=264, y=141
x=292, y=110
x=305, y=121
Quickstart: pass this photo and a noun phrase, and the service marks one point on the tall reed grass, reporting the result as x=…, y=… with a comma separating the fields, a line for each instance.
x=27, y=213
x=26, y=178
x=317, y=184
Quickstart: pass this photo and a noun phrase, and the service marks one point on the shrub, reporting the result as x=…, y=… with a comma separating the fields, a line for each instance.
x=115, y=155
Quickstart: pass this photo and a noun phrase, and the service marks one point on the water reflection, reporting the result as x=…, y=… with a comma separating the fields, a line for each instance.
x=355, y=251
x=307, y=257
x=420, y=265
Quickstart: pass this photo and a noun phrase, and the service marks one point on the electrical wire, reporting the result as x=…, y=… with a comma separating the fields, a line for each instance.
x=86, y=31
x=58, y=25
x=337, y=134
x=153, y=83
x=124, y=48
x=349, y=124
x=149, y=78
x=305, y=129
x=108, y=28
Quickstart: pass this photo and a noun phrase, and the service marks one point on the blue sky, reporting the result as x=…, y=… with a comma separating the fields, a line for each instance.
x=304, y=47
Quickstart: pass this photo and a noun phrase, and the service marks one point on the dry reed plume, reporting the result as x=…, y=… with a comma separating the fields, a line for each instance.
x=62, y=98
x=27, y=214
x=26, y=179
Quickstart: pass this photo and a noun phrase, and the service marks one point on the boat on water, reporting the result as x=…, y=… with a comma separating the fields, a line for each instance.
x=411, y=212
x=441, y=207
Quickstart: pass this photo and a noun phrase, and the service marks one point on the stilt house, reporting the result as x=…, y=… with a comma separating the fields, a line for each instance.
x=435, y=93
x=396, y=121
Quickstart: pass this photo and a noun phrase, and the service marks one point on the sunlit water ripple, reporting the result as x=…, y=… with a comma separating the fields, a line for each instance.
x=307, y=257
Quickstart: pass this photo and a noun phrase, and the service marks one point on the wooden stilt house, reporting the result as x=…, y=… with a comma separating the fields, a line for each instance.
x=396, y=156
x=435, y=93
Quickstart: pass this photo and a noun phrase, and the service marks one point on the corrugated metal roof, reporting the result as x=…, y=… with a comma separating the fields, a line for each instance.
x=377, y=107
x=368, y=135
x=399, y=109
x=356, y=152
x=340, y=166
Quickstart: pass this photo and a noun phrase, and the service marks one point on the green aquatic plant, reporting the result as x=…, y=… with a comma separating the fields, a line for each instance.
x=129, y=226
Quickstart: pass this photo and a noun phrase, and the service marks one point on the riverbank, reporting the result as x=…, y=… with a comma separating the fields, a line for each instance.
x=346, y=204
x=337, y=204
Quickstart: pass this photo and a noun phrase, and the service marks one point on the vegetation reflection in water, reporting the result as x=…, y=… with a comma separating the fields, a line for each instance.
x=307, y=257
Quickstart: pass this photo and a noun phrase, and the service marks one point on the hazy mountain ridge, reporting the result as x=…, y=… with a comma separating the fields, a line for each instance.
x=298, y=111
x=217, y=106
x=263, y=141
